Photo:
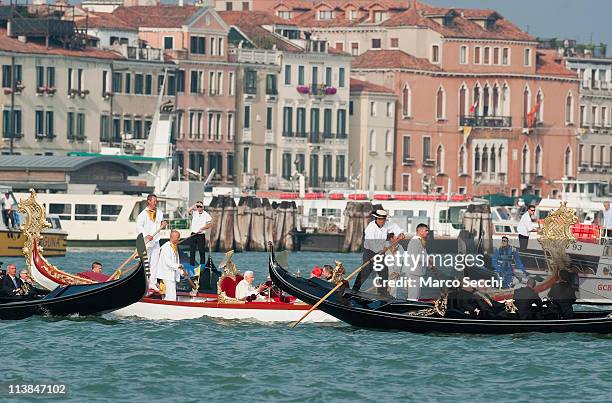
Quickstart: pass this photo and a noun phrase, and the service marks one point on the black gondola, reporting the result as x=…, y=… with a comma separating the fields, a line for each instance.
x=83, y=299
x=393, y=315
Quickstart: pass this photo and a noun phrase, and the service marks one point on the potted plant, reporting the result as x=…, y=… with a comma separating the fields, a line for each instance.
x=330, y=90
x=83, y=93
x=7, y=90
x=73, y=92
x=41, y=90
x=19, y=87
x=303, y=89
x=51, y=91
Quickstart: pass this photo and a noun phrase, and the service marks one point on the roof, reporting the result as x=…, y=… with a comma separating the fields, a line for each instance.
x=549, y=63
x=160, y=16
x=9, y=44
x=58, y=163
x=380, y=59
x=250, y=24
x=103, y=20
x=364, y=86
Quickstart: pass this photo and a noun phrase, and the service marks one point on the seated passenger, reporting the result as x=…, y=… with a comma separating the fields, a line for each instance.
x=95, y=274
x=28, y=288
x=246, y=291
x=316, y=272
x=328, y=272
x=527, y=301
x=468, y=302
x=10, y=284
x=563, y=296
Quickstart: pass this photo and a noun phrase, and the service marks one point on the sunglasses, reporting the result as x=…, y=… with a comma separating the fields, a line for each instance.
x=199, y=206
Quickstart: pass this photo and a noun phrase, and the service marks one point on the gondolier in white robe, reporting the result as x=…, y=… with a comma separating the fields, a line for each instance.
x=377, y=235
x=169, y=268
x=418, y=261
x=148, y=223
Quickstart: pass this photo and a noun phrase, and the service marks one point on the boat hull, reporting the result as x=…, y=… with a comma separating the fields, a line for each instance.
x=156, y=309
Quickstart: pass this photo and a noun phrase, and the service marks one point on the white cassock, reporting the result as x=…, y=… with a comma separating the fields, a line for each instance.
x=244, y=289
x=168, y=270
x=415, y=272
x=146, y=226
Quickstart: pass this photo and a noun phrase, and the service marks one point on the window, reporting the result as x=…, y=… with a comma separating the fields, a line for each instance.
x=80, y=79
x=110, y=212
x=538, y=160
x=440, y=103
x=287, y=121
x=487, y=55
x=127, y=126
x=64, y=211
x=341, y=124
x=51, y=77
x=406, y=148
x=301, y=79
x=376, y=43
x=40, y=76
x=406, y=101
x=231, y=83
x=506, y=56
x=372, y=142
x=104, y=82
x=49, y=124
x=86, y=212
x=462, y=161
x=314, y=121
x=326, y=14
x=250, y=83
x=211, y=83
x=245, y=160
x=148, y=84
x=229, y=6
x=327, y=168
x=70, y=134
x=220, y=82
x=463, y=55
x=213, y=46
x=286, y=168
x=389, y=109
x=388, y=142
x=268, y=161
x=406, y=183
x=247, y=117
x=301, y=122
x=394, y=43
x=288, y=74
x=340, y=166
x=198, y=45
x=327, y=123
x=80, y=126
x=440, y=159
x=230, y=166
x=380, y=16
x=271, y=84
x=477, y=55
x=328, y=76
x=435, y=54
x=527, y=61
x=352, y=14
x=426, y=148
x=7, y=75
x=355, y=48
x=246, y=6
x=168, y=42
x=221, y=46
x=117, y=82
x=230, y=126
x=314, y=77
x=496, y=56
x=269, y=118
x=372, y=108
x=341, y=77
x=287, y=15
x=339, y=46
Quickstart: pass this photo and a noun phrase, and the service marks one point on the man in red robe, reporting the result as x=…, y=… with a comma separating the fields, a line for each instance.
x=95, y=274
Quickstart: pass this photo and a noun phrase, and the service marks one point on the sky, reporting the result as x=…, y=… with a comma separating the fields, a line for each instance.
x=561, y=19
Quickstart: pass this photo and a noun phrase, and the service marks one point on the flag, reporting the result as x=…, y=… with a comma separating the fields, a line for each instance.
x=473, y=108
x=467, y=130
x=192, y=271
x=531, y=116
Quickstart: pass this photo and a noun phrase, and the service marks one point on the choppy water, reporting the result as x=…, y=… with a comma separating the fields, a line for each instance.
x=102, y=359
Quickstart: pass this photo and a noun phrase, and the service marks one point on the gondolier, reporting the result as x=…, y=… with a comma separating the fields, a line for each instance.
x=148, y=223
x=419, y=261
x=169, y=268
x=201, y=222
x=526, y=226
x=377, y=235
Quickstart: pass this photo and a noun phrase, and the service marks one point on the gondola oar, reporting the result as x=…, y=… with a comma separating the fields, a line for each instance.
x=132, y=256
x=364, y=265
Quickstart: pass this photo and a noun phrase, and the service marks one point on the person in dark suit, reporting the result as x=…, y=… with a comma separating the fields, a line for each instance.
x=528, y=301
x=563, y=295
x=10, y=283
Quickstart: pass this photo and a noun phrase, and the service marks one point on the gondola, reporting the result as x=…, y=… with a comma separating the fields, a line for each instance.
x=393, y=315
x=82, y=299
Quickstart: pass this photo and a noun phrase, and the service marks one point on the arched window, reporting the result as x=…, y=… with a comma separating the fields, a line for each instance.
x=371, y=178
x=440, y=102
x=538, y=160
x=477, y=159
x=406, y=101
x=569, y=109
x=525, y=162
x=372, y=142
x=505, y=100
x=567, y=171
x=493, y=160
x=486, y=101
x=462, y=161
x=526, y=105
x=440, y=159
x=485, y=159
x=462, y=101
x=388, y=142
x=540, y=106
x=388, y=177
x=495, y=109
x=475, y=102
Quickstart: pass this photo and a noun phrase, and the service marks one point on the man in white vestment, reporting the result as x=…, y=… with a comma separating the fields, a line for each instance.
x=149, y=222
x=169, y=268
x=418, y=261
x=246, y=291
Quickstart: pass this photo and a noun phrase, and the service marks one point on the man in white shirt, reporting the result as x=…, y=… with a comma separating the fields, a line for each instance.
x=201, y=222
x=606, y=222
x=246, y=291
x=526, y=226
x=149, y=222
x=377, y=235
x=418, y=254
x=169, y=268
x=7, y=210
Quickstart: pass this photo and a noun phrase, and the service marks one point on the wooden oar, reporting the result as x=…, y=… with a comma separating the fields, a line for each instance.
x=364, y=265
x=132, y=256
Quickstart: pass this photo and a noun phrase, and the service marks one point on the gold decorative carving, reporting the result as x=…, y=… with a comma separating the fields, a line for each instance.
x=229, y=270
x=338, y=273
x=557, y=236
x=35, y=222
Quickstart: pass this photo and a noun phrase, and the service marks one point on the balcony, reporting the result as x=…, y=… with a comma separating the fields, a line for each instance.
x=317, y=90
x=250, y=89
x=486, y=121
x=258, y=56
x=407, y=161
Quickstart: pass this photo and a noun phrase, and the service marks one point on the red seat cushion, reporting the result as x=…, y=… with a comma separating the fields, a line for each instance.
x=228, y=285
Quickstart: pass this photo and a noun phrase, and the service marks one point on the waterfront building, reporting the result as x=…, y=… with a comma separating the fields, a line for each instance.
x=372, y=123
x=196, y=39
x=294, y=102
x=478, y=102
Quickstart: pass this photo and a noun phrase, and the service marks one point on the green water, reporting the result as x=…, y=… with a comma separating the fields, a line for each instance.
x=107, y=359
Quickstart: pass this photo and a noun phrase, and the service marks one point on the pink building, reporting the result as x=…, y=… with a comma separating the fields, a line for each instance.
x=196, y=38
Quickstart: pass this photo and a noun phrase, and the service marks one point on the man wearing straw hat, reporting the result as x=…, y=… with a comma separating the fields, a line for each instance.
x=377, y=235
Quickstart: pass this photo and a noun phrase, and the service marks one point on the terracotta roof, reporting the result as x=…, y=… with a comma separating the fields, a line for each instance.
x=381, y=59
x=103, y=20
x=334, y=51
x=160, y=16
x=250, y=23
x=13, y=45
x=364, y=86
x=549, y=63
